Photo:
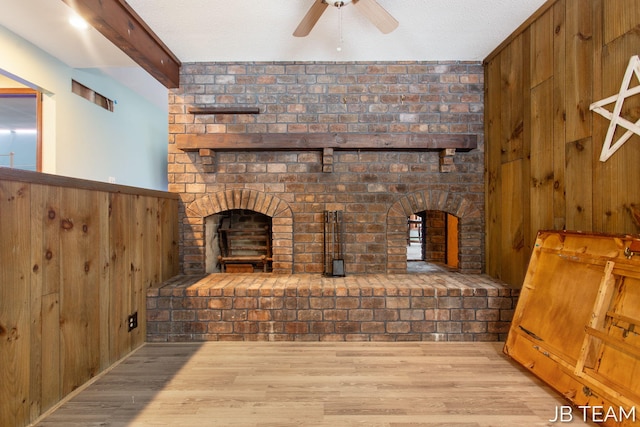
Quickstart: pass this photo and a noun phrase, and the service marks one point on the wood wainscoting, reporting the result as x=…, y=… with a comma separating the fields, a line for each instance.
x=76, y=258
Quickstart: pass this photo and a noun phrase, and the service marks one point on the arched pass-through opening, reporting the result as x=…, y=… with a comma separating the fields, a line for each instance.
x=432, y=241
x=462, y=230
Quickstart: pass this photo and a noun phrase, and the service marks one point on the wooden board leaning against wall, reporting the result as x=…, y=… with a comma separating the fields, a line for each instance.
x=577, y=322
x=76, y=258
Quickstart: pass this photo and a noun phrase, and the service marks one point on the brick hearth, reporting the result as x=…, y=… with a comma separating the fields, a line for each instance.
x=303, y=307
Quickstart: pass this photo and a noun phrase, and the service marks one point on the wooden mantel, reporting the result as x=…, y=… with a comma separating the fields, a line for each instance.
x=321, y=141
x=207, y=144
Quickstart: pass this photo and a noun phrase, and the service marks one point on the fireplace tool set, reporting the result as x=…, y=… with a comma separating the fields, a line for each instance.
x=333, y=244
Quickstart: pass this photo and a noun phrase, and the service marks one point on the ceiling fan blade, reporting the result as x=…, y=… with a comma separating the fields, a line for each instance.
x=310, y=19
x=377, y=15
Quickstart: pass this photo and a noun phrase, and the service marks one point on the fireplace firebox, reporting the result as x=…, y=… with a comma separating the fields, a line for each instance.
x=241, y=242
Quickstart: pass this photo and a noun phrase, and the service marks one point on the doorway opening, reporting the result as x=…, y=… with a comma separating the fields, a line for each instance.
x=20, y=125
x=432, y=241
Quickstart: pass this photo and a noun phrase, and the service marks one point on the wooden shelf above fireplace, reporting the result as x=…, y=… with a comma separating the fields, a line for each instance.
x=320, y=141
x=207, y=144
x=224, y=110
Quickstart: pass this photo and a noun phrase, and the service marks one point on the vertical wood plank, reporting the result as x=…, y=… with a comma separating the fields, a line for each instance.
x=153, y=257
x=511, y=68
x=80, y=290
x=579, y=69
x=152, y=251
x=45, y=226
x=528, y=233
x=169, y=237
x=107, y=280
x=492, y=179
x=45, y=286
x=15, y=299
x=579, y=179
x=35, y=304
x=120, y=229
x=542, y=49
x=620, y=17
x=136, y=259
x=512, y=243
x=599, y=125
x=542, y=174
x=559, y=116
x=51, y=363
x=140, y=267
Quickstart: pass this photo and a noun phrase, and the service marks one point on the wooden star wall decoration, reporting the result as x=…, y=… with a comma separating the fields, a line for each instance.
x=615, y=119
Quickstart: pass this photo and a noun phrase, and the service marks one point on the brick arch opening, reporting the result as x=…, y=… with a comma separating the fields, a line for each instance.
x=470, y=242
x=267, y=204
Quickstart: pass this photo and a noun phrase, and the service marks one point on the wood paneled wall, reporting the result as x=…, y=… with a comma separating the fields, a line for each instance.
x=543, y=143
x=76, y=258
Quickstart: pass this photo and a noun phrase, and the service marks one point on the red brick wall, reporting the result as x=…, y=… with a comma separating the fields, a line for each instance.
x=375, y=189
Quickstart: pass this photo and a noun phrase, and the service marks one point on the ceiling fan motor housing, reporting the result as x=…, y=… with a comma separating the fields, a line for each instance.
x=337, y=3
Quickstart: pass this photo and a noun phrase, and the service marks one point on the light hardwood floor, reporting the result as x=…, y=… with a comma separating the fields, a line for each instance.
x=313, y=384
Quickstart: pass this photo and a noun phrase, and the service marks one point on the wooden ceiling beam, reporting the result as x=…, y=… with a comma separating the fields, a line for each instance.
x=121, y=25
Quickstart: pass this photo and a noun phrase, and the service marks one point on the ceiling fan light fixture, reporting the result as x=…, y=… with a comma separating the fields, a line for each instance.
x=369, y=8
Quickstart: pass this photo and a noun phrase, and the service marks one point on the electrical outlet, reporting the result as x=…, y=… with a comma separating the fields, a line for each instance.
x=133, y=321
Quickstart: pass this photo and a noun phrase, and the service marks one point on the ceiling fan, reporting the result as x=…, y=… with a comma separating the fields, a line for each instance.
x=370, y=8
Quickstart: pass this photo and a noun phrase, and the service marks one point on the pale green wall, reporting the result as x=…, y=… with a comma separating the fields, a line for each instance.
x=81, y=139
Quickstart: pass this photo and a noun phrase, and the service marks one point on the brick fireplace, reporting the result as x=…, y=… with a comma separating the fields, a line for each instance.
x=377, y=141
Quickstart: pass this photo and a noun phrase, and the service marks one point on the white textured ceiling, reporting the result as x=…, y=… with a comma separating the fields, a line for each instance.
x=261, y=30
